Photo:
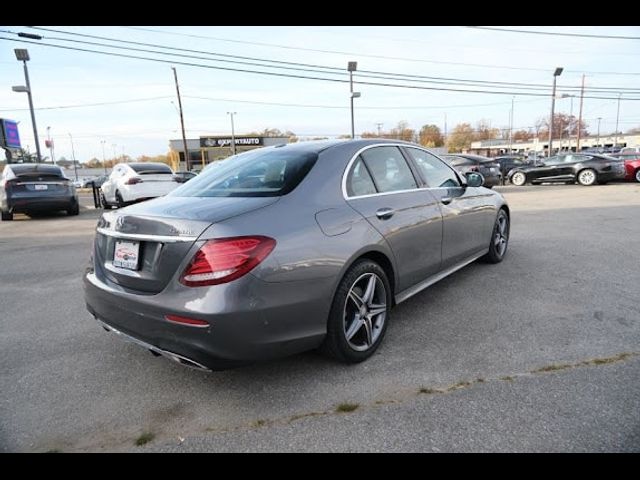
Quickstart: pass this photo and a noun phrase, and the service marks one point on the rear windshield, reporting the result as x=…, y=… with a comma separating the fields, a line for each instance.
x=260, y=173
x=150, y=168
x=37, y=170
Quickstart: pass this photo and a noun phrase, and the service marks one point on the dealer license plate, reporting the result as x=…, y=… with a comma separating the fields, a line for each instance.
x=126, y=255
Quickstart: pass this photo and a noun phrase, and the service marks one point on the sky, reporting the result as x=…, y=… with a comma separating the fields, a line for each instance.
x=147, y=117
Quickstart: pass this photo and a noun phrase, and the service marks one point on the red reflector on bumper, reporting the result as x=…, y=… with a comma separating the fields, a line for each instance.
x=192, y=322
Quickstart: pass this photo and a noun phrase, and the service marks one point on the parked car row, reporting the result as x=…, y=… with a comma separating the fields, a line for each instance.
x=586, y=169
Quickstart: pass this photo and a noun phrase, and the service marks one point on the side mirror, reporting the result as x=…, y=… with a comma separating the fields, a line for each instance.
x=474, y=179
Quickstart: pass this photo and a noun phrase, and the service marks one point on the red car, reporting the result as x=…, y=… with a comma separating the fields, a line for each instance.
x=631, y=165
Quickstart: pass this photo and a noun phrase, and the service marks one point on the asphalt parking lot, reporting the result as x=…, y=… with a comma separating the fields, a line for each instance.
x=538, y=353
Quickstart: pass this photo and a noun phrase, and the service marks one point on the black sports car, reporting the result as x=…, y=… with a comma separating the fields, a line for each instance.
x=509, y=162
x=586, y=169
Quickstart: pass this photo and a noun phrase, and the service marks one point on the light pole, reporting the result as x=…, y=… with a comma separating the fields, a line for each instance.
x=233, y=132
x=22, y=55
x=115, y=154
x=615, y=143
x=598, y=137
x=556, y=74
x=104, y=161
x=352, y=67
x=379, y=125
x=73, y=156
x=50, y=145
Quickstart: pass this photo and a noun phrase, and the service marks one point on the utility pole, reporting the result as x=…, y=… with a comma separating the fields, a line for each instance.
x=579, y=127
x=73, y=156
x=615, y=144
x=104, y=161
x=511, y=127
x=233, y=132
x=598, y=138
x=184, y=137
x=379, y=125
x=115, y=155
x=445, y=129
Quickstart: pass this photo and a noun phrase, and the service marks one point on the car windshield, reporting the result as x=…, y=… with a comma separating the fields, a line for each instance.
x=264, y=173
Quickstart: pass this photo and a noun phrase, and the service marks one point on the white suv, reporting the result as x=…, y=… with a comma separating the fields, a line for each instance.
x=134, y=182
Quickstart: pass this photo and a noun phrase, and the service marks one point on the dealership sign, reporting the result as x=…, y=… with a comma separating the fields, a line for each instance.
x=9, y=137
x=226, y=141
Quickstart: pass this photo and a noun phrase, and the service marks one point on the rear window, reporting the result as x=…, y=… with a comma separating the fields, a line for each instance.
x=150, y=168
x=37, y=170
x=260, y=173
x=458, y=161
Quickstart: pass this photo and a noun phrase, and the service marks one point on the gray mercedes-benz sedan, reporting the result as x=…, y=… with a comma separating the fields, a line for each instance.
x=289, y=248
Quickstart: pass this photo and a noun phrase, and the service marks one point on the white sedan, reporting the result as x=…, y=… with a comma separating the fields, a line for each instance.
x=134, y=182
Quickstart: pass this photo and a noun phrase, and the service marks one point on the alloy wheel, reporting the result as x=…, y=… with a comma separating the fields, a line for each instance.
x=587, y=177
x=518, y=179
x=365, y=312
x=501, y=235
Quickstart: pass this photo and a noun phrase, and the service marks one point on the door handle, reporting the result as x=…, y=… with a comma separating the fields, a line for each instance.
x=385, y=213
x=446, y=200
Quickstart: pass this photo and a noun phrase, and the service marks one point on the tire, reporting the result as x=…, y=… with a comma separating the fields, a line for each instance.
x=637, y=175
x=119, y=200
x=350, y=337
x=499, y=238
x=6, y=216
x=103, y=202
x=518, y=179
x=587, y=177
x=75, y=210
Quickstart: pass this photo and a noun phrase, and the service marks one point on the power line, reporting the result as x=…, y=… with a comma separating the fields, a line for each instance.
x=288, y=75
x=81, y=105
x=559, y=34
x=340, y=52
x=336, y=70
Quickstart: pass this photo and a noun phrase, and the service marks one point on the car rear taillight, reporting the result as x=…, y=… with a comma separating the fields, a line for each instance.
x=225, y=259
x=133, y=181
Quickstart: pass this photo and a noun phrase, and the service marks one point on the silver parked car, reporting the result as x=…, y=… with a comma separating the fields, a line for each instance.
x=289, y=248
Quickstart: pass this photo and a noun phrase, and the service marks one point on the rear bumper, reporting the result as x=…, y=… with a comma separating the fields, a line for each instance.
x=249, y=320
x=26, y=204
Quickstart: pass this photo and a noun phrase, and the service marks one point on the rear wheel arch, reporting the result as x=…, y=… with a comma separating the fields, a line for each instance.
x=378, y=257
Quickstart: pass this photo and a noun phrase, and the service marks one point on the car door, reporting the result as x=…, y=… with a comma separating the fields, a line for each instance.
x=381, y=186
x=467, y=215
x=548, y=171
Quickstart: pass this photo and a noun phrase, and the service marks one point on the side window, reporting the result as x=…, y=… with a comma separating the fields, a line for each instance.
x=389, y=169
x=435, y=171
x=359, y=181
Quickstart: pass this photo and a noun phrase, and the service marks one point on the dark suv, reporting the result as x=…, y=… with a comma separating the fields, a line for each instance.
x=31, y=187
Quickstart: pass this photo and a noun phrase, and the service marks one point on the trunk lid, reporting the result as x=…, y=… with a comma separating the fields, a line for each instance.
x=163, y=231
